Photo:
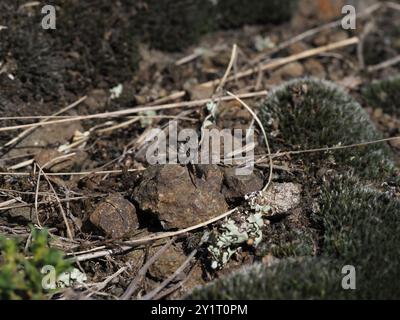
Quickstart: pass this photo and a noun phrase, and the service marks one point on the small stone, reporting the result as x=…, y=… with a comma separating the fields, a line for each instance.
x=96, y=100
x=329, y=9
x=237, y=186
x=378, y=113
x=395, y=143
x=280, y=198
x=115, y=216
x=321, y=39
x=24, y=213
x=53, y=134
x=167, y=263
x=212, y=174
x=291, y=70
x=45, y=159
x=315, y=68
x=199, y=91
x=338, y=36
x=298, y=47
x=45, y=156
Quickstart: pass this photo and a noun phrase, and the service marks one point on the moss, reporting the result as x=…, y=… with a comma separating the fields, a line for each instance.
x=31, y=52
x=384, y=94
x=290, y=279
x=174, y=24
x=360, y=227
x=102, y=33
x=383, y=41
x=236, y=13
x=315, y=114
x=300, y=244
x=93, y=42
x=286, y=240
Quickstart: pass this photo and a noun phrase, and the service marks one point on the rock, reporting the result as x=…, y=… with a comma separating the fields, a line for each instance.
x=280, y=198
x=115, y=216
x=96, y=100
x=378, y=113
x=180, y=198
x=395, y=143
x=291, y=70
x=298, y=47
x=43, y=137
x=45, y=157
x=338, y=36
x=212, y=174
x=315, y=68
x=237, y=186
x=321, y=39
x=167, y=263
x=329, y=9
x=24, y=213
x=199, y=91
x=323, y=10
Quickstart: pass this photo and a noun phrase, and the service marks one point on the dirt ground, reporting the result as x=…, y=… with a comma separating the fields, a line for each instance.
x=100, y=167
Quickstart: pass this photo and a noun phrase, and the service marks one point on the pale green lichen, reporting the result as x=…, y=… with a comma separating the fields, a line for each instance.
x=231, y=235
x=69, y=278
x=253, y=201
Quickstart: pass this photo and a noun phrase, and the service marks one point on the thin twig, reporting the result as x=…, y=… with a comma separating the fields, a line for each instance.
x=179, y=232
x=392, y=5
x=37, y=198
x=361, y=144
x=163, y=284
x=228, y=69
x=255, y=117
x=282, y=61
x=142, y=272
x=81, y=173
x=360, y=47
x=184, y=104
x=24, y=205
x=100, y=254
x=69, y=232
x=30, y=129
x=218, y=91
x=175, y=287
x=385, y=64
x=21, y=164
x=100, y=286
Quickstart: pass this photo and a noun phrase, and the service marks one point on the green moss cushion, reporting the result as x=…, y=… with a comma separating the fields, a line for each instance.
x=174, y=24
x=314, y=114
x=236, y=13
x=384, y=94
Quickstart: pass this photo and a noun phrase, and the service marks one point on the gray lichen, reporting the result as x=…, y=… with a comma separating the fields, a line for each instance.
x=225, y=242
